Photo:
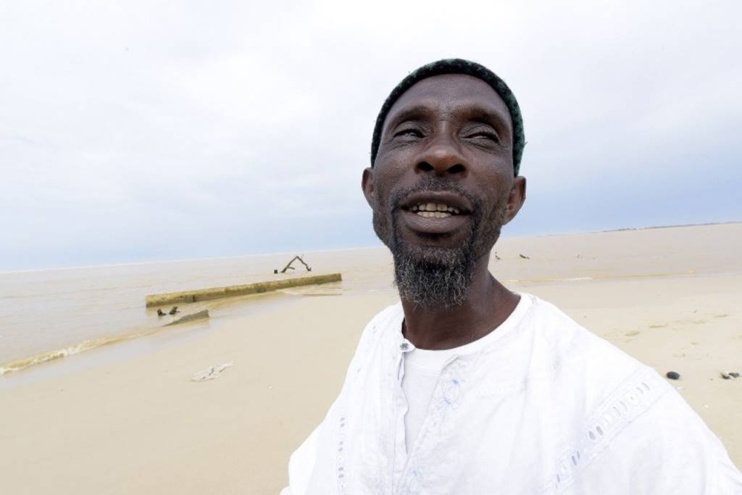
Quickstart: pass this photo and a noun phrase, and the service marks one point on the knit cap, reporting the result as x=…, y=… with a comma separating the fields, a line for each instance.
x=456, y=66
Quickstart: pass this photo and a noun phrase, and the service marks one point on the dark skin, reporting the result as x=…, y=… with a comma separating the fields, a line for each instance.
x=449, y=128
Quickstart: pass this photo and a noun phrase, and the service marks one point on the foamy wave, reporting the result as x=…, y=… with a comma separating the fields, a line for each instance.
x=34, y=360
x=45, y=357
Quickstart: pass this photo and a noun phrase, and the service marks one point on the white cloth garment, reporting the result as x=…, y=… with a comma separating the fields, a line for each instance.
x=421, y=371
x=422, y=368
x=539, y=406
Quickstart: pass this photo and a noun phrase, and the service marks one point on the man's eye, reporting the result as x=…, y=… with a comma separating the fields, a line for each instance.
x=484, y=137
x=409, y=132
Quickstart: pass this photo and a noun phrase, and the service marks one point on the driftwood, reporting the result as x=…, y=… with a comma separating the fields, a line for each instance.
x=289, y=267
x=192, y=296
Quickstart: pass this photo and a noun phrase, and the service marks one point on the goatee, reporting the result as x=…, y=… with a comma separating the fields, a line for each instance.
x=433, y=277
x=436, y=277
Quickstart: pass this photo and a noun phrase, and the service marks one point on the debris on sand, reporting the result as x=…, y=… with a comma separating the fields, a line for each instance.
x=289, y=267
x=211, y=372
x=730, y=375
x=174, y=310
x=160, y=312
x=673, y=375
x=524, y=256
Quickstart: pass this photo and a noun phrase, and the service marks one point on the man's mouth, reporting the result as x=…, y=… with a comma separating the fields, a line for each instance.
x=434, y=210
x=435, y=214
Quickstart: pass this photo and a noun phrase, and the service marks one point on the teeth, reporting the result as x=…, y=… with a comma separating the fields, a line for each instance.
x=434, y=210
x=434, y=214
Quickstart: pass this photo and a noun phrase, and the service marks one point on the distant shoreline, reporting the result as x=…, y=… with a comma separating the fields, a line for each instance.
x=634, y=229
x=291, y=253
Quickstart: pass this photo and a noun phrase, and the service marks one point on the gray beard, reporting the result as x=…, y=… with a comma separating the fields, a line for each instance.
x=437, y=278
x=433, y=277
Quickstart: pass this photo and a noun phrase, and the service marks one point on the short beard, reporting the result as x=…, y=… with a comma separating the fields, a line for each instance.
x=432, y=277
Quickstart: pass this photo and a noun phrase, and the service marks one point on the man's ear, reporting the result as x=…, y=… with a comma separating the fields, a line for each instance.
x=516, y=198
x=367, y=183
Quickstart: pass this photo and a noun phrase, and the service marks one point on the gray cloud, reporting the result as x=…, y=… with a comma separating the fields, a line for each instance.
x=152, y=130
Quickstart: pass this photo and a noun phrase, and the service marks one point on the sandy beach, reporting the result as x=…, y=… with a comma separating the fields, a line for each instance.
x=114, y=421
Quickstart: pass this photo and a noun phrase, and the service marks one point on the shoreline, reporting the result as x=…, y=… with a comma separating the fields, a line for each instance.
x=354, y=248
x=129, y=419
x=543, y=269
x=9, y=369
x=17, y=371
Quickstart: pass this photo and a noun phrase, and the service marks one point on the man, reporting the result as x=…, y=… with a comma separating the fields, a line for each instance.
x=466, y=387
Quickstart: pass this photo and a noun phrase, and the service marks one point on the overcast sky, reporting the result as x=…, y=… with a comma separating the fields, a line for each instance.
x=151, y=130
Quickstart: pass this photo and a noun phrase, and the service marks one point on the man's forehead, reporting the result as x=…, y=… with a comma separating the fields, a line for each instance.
x=451, y=92
x=511, y=121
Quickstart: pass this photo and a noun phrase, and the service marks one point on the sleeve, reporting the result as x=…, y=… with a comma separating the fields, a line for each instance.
x=301, y=465
x=667, y=450
x=304, y=459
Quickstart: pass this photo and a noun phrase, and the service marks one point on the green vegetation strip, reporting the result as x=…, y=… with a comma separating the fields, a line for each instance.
x=238, y=290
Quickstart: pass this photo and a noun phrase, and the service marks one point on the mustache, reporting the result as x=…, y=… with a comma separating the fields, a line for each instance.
x=428, y=184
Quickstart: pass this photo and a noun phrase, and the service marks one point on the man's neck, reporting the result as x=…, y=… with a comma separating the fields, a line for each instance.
x=487, y=305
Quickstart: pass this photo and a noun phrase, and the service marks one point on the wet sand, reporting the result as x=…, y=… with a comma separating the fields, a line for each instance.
x=138, y=424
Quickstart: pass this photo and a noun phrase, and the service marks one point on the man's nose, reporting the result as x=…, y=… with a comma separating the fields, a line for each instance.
x=441, y=156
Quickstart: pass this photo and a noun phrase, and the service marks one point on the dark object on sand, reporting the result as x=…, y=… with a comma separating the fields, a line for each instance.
x=673, y=375
x=730, y=375
x=160, y=312
x=200, y=315
x=289, y=267
x=174, y=310
x=524, y=257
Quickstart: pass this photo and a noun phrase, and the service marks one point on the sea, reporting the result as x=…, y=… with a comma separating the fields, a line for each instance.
x=46, y=315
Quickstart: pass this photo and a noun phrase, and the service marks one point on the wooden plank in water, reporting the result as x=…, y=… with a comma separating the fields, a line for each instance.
x=238, y=290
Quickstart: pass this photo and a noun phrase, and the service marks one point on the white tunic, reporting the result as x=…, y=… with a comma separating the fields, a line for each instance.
x=544, y=407
x=421, y=369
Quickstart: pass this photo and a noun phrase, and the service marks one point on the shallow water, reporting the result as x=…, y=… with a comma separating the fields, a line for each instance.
x=53, y=313
x=50, y=314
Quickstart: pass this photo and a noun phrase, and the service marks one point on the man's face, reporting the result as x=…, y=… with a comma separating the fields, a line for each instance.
x=442, y=185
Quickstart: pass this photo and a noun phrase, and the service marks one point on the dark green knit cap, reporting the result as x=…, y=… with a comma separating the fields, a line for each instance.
x=456, y=66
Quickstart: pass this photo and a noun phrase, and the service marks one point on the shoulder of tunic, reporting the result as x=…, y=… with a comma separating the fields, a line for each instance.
x=385, y=324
